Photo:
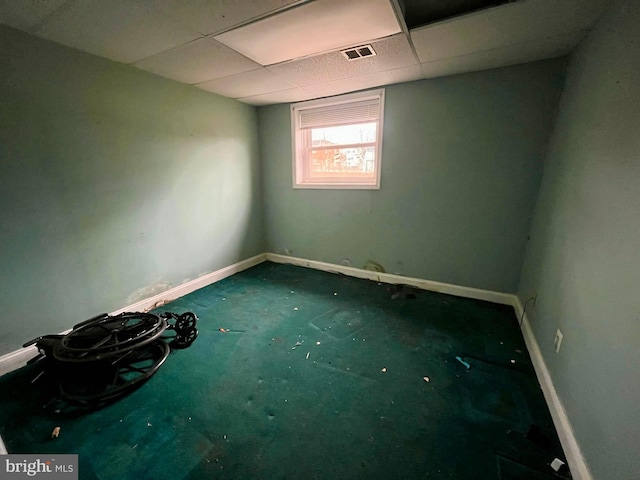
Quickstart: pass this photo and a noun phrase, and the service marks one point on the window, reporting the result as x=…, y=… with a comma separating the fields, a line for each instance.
x=337, y=142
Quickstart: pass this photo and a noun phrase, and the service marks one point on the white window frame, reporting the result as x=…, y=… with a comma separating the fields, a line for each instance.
x=300, y=149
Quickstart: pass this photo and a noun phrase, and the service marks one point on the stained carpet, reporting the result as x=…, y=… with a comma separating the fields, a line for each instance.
x=318, y=376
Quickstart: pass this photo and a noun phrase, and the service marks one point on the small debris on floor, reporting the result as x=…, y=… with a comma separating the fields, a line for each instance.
x=335, y=293
x=55, y=433
x=463, y=363
x=426, y=379
x=317, y=343
x=223, y=330
x=298, y=343
x=37, y=377
x=384, y=370
x=149, y=425
x=513, y=361
x=556, y=464
x=308, y=355
x=295, y=308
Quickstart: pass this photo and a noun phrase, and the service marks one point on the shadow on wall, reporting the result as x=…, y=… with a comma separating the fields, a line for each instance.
x=119, y=184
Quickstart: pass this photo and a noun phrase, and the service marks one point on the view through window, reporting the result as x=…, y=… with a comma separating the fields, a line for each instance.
x=348, y=150
x=337, y=141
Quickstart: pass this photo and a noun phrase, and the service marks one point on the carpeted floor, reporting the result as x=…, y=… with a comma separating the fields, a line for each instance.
x=372, y=389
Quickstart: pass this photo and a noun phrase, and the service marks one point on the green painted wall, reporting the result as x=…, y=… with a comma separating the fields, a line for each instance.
x=461, y=167
x=116, y=185
x=583, y=260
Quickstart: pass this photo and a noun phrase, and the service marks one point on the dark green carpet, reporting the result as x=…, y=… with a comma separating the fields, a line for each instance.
x=247, y=405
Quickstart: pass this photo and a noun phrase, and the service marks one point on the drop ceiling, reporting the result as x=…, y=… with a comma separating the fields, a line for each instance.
x=277, y=51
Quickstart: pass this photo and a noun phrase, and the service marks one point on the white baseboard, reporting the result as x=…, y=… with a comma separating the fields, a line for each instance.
x=577, y=463
x=18, y=358
x=450, y=289
x=189, y=287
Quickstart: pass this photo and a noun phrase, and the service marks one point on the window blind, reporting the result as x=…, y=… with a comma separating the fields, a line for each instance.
x=361, y=111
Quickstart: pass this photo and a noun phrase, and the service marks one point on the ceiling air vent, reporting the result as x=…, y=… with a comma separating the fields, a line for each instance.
x=357, y=53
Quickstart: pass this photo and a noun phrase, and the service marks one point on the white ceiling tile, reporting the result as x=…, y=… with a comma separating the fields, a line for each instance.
x=214, y=16
x=518, y=22
x=166, y=37
x=501, y=57
x=26, y=14
x=312, y=28
x=122, y=30
x=391, y=53
x=399, y=75
x=255, y=82
x=196, y=62
x=284, y=96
